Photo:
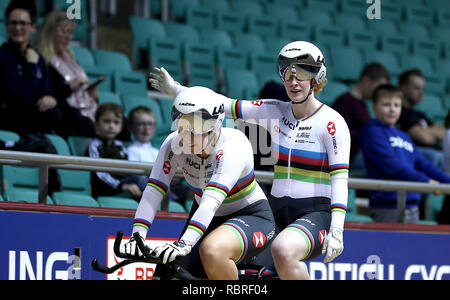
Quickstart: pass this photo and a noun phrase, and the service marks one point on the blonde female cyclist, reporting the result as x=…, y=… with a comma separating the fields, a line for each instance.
x=312, y=142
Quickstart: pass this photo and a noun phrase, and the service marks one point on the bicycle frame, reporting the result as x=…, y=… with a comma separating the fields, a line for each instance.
x=170, y=270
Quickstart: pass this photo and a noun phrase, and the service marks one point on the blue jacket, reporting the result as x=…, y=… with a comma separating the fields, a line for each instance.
x=390, y=154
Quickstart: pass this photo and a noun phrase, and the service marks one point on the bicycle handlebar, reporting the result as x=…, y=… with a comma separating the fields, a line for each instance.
x=146, y=257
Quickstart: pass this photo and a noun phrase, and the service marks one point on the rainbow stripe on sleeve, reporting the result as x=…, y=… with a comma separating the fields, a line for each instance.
x=339, y=169
x=197, y=227
x=142, y=223
x=158, y=185
x=236, y=109
x=337, y=207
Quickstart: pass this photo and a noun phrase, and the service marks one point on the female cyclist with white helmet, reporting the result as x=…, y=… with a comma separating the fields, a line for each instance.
x=231, y=219
x=312, y=143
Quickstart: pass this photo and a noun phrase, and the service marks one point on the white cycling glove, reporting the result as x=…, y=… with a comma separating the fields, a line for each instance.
x=170, y=251
x=333, y=245
x=161, y=80
x=131, y=247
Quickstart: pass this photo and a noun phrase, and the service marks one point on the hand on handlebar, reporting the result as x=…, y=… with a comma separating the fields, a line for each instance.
x=132, y=248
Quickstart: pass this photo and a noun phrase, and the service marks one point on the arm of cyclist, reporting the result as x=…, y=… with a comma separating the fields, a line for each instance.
x=337, y=142
x=162, y=173
x=226, y=175
x=256, y=112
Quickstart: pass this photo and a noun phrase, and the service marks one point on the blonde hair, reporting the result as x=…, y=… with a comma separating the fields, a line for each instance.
x=43, y=41
x=319, y=87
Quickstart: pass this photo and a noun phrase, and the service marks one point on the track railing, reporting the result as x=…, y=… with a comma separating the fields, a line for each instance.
x=50, y=161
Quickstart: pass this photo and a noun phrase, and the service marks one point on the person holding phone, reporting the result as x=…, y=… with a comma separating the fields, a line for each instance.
x=78, y=97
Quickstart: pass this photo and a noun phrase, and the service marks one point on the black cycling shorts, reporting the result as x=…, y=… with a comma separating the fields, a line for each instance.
x=254, y=225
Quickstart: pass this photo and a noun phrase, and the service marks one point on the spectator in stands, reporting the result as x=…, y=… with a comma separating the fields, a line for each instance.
x=77, y=97
x=390, y=154
x=27, y=102
x=444, y=214
x=142, y=124
x=424, y=132
x=353, y=107
x=108, y=124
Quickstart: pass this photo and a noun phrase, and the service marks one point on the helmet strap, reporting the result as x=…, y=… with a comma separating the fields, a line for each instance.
x=311, y=89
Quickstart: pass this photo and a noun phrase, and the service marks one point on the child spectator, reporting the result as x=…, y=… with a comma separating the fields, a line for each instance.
x=142, y=124
x=108, y=124
x=390, y=154
x=353, y=106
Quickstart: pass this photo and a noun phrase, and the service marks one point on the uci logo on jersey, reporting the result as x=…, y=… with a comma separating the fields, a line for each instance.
x=288, y=123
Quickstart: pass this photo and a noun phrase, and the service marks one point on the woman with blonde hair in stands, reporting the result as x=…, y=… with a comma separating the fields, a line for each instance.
x=77, y=97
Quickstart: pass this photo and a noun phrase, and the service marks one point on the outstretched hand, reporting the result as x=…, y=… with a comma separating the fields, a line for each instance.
x=161, y=80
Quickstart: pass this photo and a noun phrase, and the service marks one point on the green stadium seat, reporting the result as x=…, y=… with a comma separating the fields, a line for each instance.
x=327, y=5
x=130, y=83
x=354, y=217
x=24, y=195
x=166, y=53
x=112, y=59
x=179, y=8
x=355, y=7
x=182, y=32
x=347, y=63
x=263, y=26
x=117, y=202
x=79, y=145
x=200, y=17
x=247, y=8
x=264, y=66
x=176, y=207
x=419, y=14
x=215, y=5
x=432, y=106
x=388, y=59
x=7, y=136
x=216, y=37
x=232, y=58
x=199, y=62
x=281, y=12
x=350, y=21
x=83, y=56
x=363, y=40
x=188, y=205
x=390, y=10
x=331, y=36
x=238, y=80
x=142, y=29
x=443, y=17
x=108, y=97
x=249, y=42
x=382, y=27
x=426, y=47
x=394, y=43
x=435, y=205
x=331, y=91
x=421, y=62
x=69, y=199
x=94, y=72
x=71, y=180
x=274, y=45
x=294, y=30
x=414, y=30
x=230, y=22
x=316, y=17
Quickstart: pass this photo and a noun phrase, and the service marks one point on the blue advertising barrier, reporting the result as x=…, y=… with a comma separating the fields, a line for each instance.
x=42, y=245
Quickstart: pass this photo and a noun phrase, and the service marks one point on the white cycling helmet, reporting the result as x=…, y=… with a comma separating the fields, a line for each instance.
x=303, y=60
x=197, y=110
